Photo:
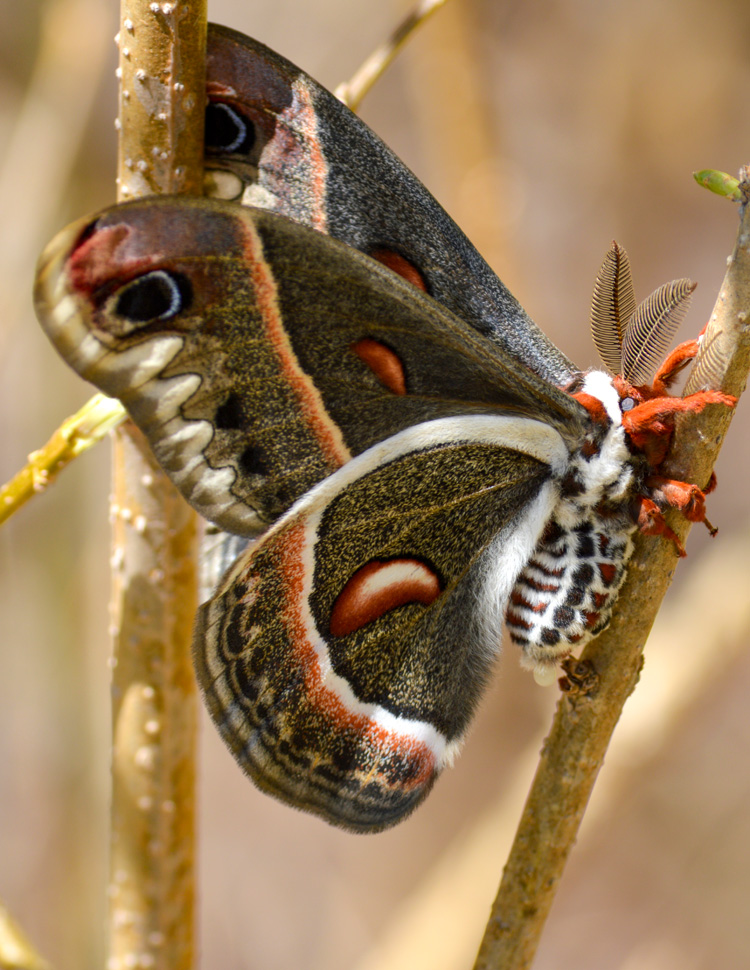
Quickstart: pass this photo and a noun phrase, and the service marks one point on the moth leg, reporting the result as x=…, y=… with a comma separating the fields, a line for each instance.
x=651, y=522
x=675, y=363
x=649, y=425
x=649, y=416
x=687, y=499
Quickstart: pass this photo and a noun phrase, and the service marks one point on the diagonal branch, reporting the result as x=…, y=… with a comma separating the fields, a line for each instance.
x=16, y=951
x=353, y=91
x=575, y=748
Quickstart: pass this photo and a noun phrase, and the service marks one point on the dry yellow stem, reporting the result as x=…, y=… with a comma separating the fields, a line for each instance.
x=85, y=428
x=16, y=951
x=352, y=92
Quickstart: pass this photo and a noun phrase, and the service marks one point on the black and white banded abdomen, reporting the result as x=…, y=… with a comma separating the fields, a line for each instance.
x=564, y=596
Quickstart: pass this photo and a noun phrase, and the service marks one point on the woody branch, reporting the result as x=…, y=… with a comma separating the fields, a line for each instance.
x=574, y=750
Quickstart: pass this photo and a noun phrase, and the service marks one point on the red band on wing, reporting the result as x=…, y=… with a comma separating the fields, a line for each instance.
x=293, y=550
x=310, y=404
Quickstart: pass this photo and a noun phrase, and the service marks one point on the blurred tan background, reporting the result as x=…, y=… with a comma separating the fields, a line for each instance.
x=546, y=129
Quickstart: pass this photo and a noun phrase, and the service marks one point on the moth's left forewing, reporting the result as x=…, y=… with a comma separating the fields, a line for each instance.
x=258, y=355
x=384, y=355
x=171, y=307
x=343, y=655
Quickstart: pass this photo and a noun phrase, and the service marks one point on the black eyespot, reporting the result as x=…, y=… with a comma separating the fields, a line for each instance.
x=227, y=130
x=228, y=415
x=252, y=461
x=155, y=296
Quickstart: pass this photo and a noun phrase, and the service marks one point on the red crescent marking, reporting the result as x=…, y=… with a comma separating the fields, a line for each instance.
x=292, y=547
x=323, y=428
x=217, y=89
x=383, y=362
x=401, y=266
x=379, y=587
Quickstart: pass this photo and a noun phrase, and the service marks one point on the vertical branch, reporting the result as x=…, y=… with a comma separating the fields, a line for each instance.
x=162, y=81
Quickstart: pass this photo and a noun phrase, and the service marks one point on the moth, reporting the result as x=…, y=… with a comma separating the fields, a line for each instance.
x=323, y=363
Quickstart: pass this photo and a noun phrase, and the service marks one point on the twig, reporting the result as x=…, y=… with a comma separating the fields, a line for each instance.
x=352, y=92
x=56, y=108
x=16, y=951
x=81, y=431
x=162, y=72
x=575, y=748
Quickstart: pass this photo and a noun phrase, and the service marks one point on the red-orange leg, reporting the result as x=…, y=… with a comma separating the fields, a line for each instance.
x=674, y=363
x=651, y=522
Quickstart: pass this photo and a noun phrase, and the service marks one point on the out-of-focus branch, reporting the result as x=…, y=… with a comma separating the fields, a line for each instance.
x=16, y=951
x=56, y=107
x=82, y=430
x=352, y=92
